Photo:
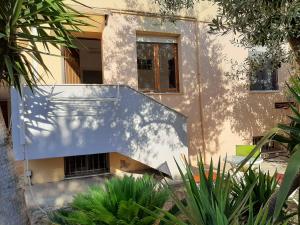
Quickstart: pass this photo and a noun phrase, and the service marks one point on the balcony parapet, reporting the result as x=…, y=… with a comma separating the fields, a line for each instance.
x=67, y=120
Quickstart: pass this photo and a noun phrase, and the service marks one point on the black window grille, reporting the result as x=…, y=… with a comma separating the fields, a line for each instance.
x=86, y=165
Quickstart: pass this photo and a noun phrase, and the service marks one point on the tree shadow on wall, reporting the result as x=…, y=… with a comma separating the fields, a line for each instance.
x=231, y=113
x=97, y=119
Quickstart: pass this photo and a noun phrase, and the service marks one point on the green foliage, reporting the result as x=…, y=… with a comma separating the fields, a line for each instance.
x=260, y=22
x=117, y=203
x=271, y=24
x=265, y=186
x=290, y=174
x=260, y=219
x=219, y=198
x=294, y=83
x=289, y=135
x=170, y=7
x=27, y=30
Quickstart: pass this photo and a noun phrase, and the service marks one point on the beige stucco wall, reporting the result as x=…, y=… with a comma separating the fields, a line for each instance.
x=55, y=61
x=232, y=114
x=52, y=170
x=120, y=163
x=46, y=170
x=225, y=114
x=119, y=63
x=203, y=10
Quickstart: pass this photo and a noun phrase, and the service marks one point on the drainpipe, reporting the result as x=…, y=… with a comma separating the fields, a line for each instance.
x=197, y=31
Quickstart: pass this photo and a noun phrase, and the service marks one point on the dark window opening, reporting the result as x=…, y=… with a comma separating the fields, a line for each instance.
x=86, y=165
x=157, y=65
x=91, y=77
x=84, y=64
x=269, y=147
x=265, y=147
x=265, y=78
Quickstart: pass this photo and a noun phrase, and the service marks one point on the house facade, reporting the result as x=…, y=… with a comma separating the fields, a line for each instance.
x=133, y=78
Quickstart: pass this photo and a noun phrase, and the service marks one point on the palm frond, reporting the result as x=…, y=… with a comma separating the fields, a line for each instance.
x=27, y=30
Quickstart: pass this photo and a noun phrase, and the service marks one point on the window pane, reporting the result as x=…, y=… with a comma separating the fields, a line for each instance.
x=264, y=79
x=145, y=64
x=167, y=66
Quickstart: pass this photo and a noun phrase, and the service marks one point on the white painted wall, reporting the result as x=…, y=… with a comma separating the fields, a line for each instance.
x=66, y=120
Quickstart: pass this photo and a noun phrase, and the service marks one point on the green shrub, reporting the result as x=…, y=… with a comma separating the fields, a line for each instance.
x=116, y=203
x=265, y=186
x=218, y=199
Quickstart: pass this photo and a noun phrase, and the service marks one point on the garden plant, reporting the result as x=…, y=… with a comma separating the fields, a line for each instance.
x=116, y=203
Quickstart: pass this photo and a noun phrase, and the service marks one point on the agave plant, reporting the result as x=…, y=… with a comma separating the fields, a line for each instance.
x=215, y=199
x=265, y=186
x=290, y=136
x=115, y=203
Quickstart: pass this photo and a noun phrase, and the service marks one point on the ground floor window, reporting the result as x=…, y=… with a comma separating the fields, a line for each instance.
x=270, y=147
x=86, y=164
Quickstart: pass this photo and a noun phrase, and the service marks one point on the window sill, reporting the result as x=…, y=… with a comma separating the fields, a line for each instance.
x=264, y=91
x=86, y=176
x=162, y=93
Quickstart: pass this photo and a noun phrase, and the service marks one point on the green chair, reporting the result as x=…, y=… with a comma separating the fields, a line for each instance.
x=244, y=150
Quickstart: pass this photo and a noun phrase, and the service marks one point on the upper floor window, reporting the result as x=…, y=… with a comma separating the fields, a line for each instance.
x=264, y=78
x=83, y=64
x=157, y=64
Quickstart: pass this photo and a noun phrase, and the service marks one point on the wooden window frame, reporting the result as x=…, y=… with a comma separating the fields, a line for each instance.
x=156, y=64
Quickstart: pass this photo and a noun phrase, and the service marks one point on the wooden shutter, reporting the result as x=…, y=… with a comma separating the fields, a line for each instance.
x=72, y=66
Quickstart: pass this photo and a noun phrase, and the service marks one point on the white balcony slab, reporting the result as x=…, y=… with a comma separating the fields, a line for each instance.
x=68, y=120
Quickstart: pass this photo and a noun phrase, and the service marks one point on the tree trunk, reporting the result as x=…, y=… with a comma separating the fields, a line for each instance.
x=295, y=45
x=12, y=202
